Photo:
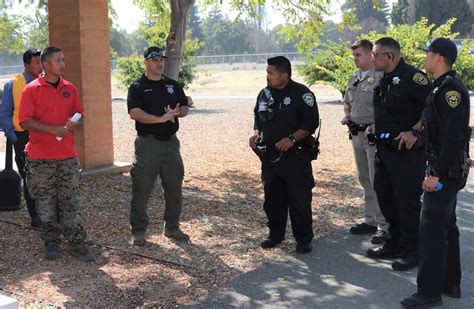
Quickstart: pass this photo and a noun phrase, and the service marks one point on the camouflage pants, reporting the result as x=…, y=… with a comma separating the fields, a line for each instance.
x=54, y=184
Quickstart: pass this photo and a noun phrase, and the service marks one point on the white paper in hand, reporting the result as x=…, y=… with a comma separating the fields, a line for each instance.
x=75, y=118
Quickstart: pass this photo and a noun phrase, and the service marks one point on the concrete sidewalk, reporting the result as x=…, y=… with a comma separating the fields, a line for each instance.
x=338, y=275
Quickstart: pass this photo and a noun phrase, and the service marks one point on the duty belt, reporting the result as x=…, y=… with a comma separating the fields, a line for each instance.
x=392, y=144
x=355, y=128
x=155, y=136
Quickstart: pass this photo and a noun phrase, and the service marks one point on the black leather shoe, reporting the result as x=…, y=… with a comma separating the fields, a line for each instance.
x=405, y=263
x=452, y=291
x=363, y=228
x=35, y=222
x=419, y=301
x=382, y=253
x=51, y=251
x=379, y=238
x=303, y=248
x=269, y=243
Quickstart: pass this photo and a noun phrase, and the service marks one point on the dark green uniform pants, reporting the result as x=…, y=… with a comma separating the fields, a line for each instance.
x=152, y=158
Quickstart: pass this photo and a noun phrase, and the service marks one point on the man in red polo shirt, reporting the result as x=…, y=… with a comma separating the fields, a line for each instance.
x=46, y=108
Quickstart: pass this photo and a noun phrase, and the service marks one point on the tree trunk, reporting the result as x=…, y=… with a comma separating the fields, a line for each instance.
x=175, y=42
x=411, y=12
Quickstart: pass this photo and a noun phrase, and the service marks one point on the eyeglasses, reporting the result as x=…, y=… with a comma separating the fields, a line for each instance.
x=377, y=55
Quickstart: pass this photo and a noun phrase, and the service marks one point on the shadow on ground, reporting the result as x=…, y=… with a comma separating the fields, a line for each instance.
x=338, y=275
x=223, y=214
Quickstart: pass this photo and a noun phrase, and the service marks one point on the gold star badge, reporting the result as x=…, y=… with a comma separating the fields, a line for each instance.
x=453, y=98
x=421, y=79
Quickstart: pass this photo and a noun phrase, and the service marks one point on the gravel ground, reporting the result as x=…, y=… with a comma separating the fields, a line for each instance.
x=223, y=215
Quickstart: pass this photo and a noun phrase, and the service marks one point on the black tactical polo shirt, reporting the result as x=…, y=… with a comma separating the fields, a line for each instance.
x=399, y=99
x=152, y=97
x=295, y=108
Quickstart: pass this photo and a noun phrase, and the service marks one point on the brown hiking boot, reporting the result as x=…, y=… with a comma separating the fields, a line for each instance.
x=82, y=252
x=176, y=233
x=138, y=239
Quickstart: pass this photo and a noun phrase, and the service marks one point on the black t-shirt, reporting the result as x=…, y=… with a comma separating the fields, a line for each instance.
x=55, y=84
x=399, y=99
x=152, y=97
x=446, y=120
x=295, y=108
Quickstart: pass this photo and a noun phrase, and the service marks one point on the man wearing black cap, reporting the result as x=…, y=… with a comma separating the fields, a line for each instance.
x=446, y=135
x=155, y=102
x=399, y=165
x=10, y=124
x=286, y=114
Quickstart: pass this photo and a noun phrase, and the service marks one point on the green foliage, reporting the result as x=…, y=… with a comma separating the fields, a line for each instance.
x=10, y=34
x=304, y=18
x=464, y=65
x=362, y=9
x=131, y=68
x=187, y=72
x=155, y=33
x=437, y=12
x=223, y=36
x=333, y=63
x=38, y=38
x=120, y=43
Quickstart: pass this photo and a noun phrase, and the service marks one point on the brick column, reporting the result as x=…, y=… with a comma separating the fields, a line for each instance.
x=81, y=29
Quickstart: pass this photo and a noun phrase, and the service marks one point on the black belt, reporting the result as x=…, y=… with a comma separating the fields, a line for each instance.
x=355, y=128
x=155, y=136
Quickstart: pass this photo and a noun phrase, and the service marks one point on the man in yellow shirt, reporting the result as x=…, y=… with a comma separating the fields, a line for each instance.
x=10, y=124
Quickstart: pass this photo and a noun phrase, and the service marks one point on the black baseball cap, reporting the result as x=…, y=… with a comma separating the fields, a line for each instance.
x=443, y=46
x=30, y=53
x=154, y=52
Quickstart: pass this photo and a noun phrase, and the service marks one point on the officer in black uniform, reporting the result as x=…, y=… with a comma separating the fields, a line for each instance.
x=399, y=166
x=446, y=136
x=286, y=114
x=155, y=102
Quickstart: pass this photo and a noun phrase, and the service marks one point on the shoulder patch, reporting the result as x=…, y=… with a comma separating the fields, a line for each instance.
x=453, y=98
x=420, y=78
x=308, y=98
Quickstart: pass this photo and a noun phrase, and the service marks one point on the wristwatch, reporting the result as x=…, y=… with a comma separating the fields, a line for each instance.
x=415, y=132
x=292, y=138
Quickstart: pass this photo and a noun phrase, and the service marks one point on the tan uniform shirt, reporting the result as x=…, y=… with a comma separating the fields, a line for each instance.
x=360, y=93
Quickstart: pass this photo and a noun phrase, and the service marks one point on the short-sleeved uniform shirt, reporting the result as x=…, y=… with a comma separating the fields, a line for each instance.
x=50, y=106
x=360, y=94
x=152, y=97
x=446, y=120
x=295, y=108
x=399, y=99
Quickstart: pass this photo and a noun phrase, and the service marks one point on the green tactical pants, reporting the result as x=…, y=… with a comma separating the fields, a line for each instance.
x=152, y=158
